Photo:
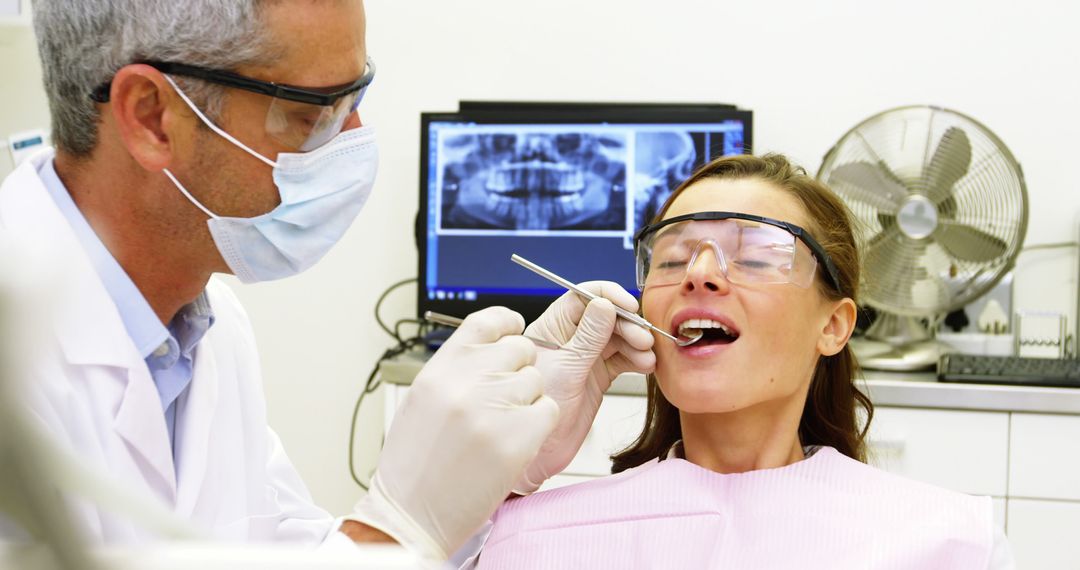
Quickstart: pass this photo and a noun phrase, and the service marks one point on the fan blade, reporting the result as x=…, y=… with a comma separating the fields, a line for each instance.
x=970, y=244
x=887, y=231
x=873, y=184
x=950, y=163
x=888, y=260
x=887, y=281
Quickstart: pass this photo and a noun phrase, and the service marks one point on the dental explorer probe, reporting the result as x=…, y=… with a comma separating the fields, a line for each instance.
x=455, y=322
x=632, y=317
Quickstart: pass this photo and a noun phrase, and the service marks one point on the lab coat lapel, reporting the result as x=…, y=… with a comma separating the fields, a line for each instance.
x=140, y=421
x=195, y=425
x=88, y=326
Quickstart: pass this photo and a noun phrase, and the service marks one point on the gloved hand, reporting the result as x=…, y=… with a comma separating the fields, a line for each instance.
x=473, y=418
x=597, y=347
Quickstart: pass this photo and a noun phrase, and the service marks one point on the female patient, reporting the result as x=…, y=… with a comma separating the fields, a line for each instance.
x=752, y=452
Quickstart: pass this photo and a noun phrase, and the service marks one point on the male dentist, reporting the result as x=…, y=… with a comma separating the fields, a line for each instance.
x=196, y=137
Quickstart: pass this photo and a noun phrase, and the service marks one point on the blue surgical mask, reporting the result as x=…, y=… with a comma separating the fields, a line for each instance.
x=322, y=192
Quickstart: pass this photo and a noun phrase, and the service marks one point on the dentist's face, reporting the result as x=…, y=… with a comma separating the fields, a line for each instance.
x=772, y=350
x=315, y=45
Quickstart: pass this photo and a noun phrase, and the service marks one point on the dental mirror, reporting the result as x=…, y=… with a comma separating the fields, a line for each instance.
x=636, y=319
x=696, y=335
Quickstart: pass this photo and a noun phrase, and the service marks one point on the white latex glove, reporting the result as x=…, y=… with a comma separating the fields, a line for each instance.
x=474, y=417
x=597, y=347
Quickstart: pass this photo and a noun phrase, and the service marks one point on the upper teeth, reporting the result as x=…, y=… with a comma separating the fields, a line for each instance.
x=703, y=324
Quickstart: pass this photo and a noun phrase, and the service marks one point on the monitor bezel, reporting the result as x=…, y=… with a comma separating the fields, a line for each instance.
x=531, y=306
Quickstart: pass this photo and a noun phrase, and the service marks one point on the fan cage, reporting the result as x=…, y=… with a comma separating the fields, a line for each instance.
x=924, y=276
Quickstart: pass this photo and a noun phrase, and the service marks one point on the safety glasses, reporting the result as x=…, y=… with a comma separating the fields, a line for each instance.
x=300, y=118
x=748, y=249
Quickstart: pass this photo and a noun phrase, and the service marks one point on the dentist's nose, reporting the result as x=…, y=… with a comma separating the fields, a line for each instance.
x=353, y=122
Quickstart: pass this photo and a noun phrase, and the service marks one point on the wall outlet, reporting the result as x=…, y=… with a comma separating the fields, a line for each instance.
x=24, y=144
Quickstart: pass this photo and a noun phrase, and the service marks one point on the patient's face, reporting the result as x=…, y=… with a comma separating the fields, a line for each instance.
x=778, y=325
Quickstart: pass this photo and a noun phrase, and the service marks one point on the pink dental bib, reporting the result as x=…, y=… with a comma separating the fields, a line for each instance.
x=827, y=511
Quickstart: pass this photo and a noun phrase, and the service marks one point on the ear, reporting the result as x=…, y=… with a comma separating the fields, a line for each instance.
x=838, y=328
x=144, y=107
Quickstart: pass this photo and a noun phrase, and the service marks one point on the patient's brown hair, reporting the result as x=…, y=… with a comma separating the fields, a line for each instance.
x=830, y=415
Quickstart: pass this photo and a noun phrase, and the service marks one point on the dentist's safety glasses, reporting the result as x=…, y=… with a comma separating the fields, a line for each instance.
x=302, y=119
x=748, y=249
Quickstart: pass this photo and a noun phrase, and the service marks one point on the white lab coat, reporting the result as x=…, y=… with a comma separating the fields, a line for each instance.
x=96, y=395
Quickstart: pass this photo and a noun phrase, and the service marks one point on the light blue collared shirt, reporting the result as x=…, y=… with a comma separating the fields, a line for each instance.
x=167, y=351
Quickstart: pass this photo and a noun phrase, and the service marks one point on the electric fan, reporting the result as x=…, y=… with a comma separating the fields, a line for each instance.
x=940, y=209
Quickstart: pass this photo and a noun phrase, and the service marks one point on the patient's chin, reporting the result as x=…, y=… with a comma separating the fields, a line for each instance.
x=707, y=396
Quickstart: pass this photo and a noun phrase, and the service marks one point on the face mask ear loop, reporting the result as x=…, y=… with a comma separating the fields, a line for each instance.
x=215, y=128
x=188, y=195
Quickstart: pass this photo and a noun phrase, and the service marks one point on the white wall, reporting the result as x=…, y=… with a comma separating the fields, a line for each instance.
x=22, y=97
x=808, y=70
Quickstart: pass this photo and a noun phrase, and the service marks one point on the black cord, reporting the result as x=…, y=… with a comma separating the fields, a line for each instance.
x=371, y=385
x=419, y=323
x=379, y=303
x=374, y=381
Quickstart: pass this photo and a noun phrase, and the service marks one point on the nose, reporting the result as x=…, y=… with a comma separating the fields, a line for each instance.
x=707, y=271
x=353, y=122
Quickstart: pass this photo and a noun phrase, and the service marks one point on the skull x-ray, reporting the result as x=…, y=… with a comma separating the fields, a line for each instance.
x=662, y=161
x=533, y=179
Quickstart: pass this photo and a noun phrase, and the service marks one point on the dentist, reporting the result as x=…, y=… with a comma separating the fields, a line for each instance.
x=197, y=137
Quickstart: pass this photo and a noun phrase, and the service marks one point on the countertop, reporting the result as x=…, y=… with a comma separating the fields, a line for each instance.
x=899, y=389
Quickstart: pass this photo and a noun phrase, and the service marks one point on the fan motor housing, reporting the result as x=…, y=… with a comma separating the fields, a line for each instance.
x=918, y=217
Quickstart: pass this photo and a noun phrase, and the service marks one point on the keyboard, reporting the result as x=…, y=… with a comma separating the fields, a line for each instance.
x=1016, y=370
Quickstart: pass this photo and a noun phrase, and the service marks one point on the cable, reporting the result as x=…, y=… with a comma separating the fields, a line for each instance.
x=417, y=322
x=370, y=386
x=374, y=381
x=1057, y=245
x=382, y=298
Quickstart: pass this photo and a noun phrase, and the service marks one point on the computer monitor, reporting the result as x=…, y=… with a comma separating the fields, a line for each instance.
x=563, y=185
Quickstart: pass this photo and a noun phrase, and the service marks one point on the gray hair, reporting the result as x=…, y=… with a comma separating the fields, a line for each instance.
x=83, y=43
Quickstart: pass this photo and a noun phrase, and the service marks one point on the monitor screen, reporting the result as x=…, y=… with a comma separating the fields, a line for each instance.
x=565, y=186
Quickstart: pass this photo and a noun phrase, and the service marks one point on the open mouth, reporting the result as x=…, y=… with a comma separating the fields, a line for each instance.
x=712, y=332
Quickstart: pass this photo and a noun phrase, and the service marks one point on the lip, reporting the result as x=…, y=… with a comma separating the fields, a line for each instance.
x=702, y=313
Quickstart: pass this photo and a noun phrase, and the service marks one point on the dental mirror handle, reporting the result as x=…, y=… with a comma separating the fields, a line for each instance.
x=632, y=317
x=455, y=322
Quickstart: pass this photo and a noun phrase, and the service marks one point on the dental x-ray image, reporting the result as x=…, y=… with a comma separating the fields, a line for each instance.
x=663, y=159
x=534, y=179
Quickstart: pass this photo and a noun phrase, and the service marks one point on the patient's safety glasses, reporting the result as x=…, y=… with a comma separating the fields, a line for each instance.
x=300, y=118
x=748, y=249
